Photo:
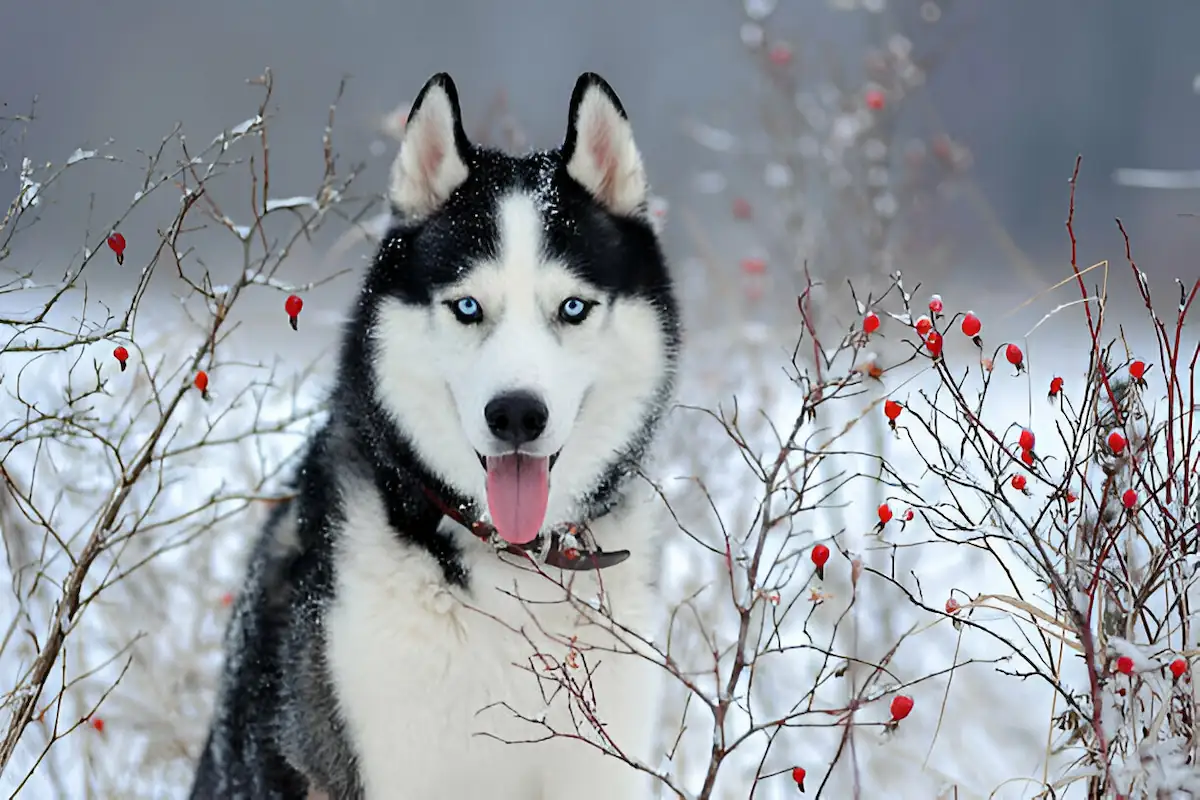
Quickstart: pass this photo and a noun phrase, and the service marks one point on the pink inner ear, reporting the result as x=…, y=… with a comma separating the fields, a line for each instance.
x=432, y=154
x=604, y=156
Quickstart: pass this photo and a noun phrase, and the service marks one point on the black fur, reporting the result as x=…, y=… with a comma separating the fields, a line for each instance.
x=276, y=725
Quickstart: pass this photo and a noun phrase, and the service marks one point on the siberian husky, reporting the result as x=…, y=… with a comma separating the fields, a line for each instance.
x=459, y=601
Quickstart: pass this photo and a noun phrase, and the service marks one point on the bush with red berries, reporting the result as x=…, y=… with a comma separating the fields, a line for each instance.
x=140, y=441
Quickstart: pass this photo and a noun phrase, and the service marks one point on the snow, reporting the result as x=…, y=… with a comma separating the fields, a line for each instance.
x=164, y=623
x=80, y=155
x=292, y=202
x=29, y=189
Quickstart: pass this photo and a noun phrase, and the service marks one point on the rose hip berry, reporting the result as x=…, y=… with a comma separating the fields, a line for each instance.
x=1026, y=439
x=1137, y=369
x=902, y=705
x=923, y=325
x=1125, y=665
x=1056, y=385
x=116, y=243
x=754, y=266
x=293, y=306
x=871, y=322
x=933, y=343
x=1178, y=667
x=891, y=410
x=1018, y=482
x=121, y=355
x=936, y=305
x=1129, y=499
x=780, y=54
x=798, y=775
x=201, y=383
x=1116, y=442
x=971, y=326
x=1015, y=356
x=820, y=556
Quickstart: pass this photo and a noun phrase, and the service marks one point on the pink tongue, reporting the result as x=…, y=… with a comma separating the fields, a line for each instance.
x=518, y=489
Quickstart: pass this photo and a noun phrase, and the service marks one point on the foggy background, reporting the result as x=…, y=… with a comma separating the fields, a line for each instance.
x=1024, y=84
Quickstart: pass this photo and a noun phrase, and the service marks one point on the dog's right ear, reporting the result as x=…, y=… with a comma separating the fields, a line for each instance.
x=432, y=162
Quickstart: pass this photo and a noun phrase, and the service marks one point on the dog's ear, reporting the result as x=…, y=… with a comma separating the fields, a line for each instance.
x=432, y=162
x=599, y=150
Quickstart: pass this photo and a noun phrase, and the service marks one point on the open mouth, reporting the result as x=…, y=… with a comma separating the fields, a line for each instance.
x=484, y=459
x=518, y=493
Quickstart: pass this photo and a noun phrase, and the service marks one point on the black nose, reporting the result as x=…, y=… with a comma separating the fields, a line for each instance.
x=516, y=417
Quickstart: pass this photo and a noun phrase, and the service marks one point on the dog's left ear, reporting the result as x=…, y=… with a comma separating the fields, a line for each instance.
x=599, y=150
x=432, y=162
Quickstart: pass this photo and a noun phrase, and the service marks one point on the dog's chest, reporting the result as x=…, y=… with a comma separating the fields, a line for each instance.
x=433, y=680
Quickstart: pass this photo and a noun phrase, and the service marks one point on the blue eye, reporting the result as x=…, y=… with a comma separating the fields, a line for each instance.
x=466, y=309
x=574, y=310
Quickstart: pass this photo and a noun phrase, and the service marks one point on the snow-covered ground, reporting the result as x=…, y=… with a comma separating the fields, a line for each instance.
x=978, y=730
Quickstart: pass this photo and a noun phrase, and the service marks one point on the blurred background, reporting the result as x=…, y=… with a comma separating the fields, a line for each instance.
x=851, y=138
x=1023, y=85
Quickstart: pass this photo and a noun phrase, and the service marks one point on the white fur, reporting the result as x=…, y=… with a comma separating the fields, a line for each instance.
x=598, y=379
x=428, y=167
x=422, y=668
x=606, y=159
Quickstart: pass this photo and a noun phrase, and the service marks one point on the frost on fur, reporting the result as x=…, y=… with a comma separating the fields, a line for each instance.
x=432, y=159
x=599, y=147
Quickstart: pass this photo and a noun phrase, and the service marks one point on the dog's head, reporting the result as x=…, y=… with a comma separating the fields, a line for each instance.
x=523, y=331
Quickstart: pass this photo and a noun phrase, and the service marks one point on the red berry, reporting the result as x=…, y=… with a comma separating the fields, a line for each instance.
x=1178, y=667
x=754, y=266
x=892, y=409
x=933, y=343
x=1056, y=385
x=780, y=54
x=1129, y=499
x=871, y=322
x=902, y=704
x=924, y=325
x=798, y=775
x=1014, y=355
x=1125, y=665
x=201, y=382
x=1018, y=482
x=98, y=724
x=885, y=514
x=1116, y=442
x=820, y=555
x=971, y=326
x=942, y=147
x=935, y=304
x=952, y=606
x=1027, y=457
x=908, y=515
x=292, y=306
x=741, y=208
x=1071, y=498
x=116, y=243
x=874, y=99
x=1026, y=440
x=1137, y=369
x=121, y=355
